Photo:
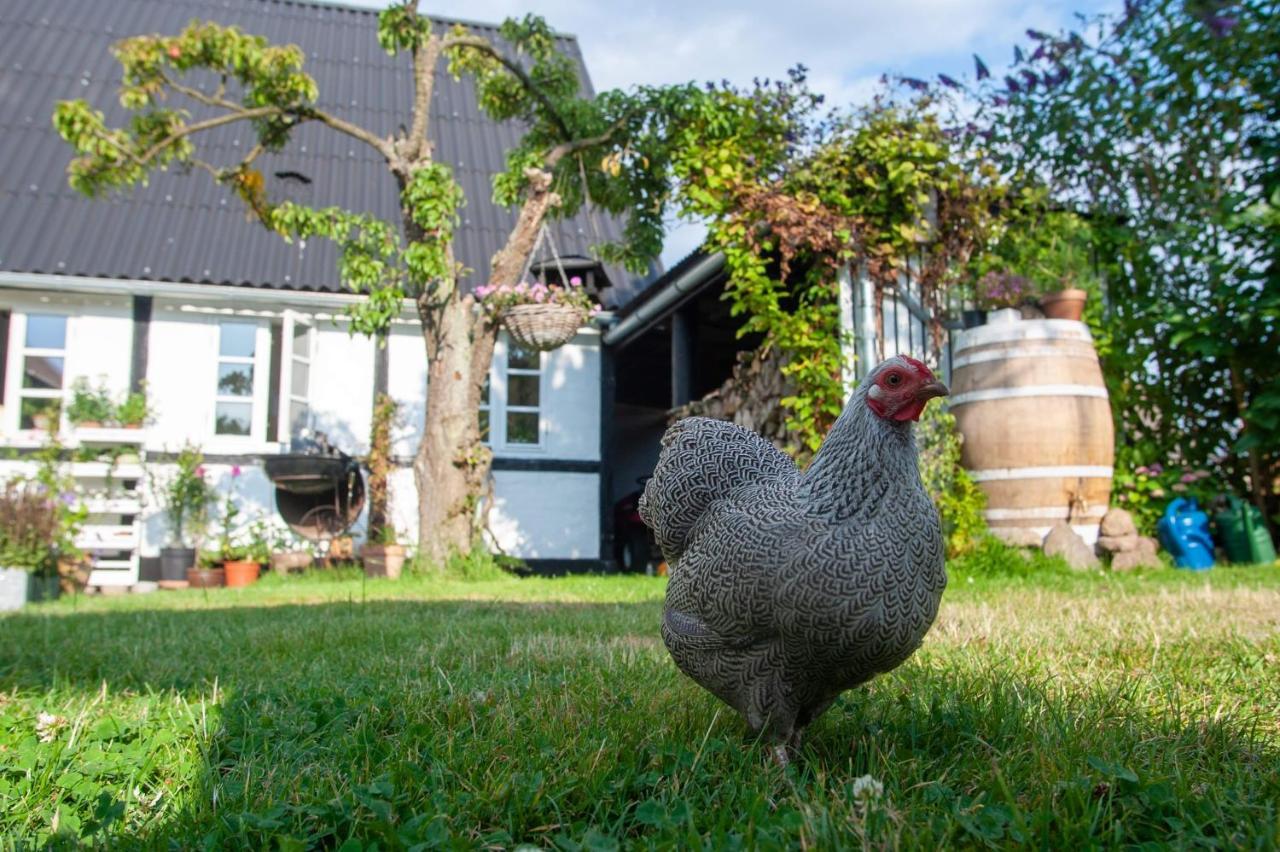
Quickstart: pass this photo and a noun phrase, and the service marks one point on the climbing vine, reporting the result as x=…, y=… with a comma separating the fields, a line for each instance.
x=886, y=189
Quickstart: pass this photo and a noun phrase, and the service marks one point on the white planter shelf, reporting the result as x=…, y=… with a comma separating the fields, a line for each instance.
x=113, y=535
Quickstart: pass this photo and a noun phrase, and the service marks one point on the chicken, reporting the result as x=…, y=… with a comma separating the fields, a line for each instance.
x=789, y=587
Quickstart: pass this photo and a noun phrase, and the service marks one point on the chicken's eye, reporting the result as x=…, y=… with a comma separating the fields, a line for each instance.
x=894, y=379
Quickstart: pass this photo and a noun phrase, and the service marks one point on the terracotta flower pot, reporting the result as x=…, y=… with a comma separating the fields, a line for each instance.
x=1064, y=304
x=383, y=560
x=202, y=578
x=241, y=573
x=290, y=560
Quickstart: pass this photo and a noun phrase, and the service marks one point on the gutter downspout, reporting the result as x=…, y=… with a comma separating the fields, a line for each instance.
x=671, y=295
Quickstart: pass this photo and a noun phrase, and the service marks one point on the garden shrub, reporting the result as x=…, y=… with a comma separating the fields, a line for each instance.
x=959, y=499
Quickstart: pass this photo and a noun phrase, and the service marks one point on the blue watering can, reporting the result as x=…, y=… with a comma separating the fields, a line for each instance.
x=1184, y=532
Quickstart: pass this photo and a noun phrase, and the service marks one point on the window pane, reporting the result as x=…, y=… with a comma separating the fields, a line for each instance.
x=522, y=427
x=523, y=359
x=41, y=372
x=238, y=340
x=233, y=418
x=484, y=394
x=38, y=413
x=299, y=417
x=484, y=425
x=301, y=378
x=522, y=390
x=301, y=340
x=46, y=332
x=235, y=379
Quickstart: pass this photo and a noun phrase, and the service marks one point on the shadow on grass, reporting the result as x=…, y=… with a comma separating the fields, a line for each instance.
x=479, y=723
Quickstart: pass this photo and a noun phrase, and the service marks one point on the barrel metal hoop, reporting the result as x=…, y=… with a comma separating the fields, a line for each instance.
x=1070, y=471
x=1043, y=512
x=1016, y=354
x=1033, y=330
x=1028, y=391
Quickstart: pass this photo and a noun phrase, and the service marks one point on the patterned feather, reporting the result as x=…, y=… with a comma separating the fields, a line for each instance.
x=788, y=588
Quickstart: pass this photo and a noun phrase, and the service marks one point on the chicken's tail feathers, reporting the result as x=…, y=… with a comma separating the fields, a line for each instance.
x=703, y=460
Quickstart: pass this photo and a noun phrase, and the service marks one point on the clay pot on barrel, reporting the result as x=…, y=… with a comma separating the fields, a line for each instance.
x=1030, y=401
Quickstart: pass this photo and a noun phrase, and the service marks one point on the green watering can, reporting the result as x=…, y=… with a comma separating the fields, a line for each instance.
x=1244, y=533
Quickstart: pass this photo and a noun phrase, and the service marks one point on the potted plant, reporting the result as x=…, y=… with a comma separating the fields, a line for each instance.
x=207, y=572
x=31, y=537
x=133, y=413
x=1000, y=293
x=287, y=554
x=185, y=497
x=1067, y=302
x=383, y=557
x=89, y=408
x=238, y=551
x=539, y=316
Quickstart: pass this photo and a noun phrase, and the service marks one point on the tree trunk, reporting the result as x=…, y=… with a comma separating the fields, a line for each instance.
x=452, y=464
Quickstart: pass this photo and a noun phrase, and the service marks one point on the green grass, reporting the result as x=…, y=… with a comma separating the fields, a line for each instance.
x=1045, y=709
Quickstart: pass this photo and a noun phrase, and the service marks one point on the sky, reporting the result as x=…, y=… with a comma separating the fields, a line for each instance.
x=846, y=44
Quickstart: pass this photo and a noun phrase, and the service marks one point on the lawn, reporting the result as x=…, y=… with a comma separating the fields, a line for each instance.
x=1055, y=711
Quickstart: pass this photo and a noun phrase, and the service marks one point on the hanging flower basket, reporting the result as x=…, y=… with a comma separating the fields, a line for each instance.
x=543, y=326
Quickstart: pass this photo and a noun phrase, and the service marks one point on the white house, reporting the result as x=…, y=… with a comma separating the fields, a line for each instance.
x=240, y=339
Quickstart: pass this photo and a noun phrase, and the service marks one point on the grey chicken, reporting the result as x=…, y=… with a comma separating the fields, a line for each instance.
x=789, y=587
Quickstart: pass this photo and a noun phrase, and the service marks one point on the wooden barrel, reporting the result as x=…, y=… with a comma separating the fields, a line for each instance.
x=1029, y=399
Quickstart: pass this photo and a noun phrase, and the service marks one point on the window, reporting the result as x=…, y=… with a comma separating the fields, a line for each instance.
x=299, y=379
x=484, y=410
x=233, y=401
x=524, y=395
x=44, y=354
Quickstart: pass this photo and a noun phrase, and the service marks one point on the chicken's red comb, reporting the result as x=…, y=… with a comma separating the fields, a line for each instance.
x=918, y=366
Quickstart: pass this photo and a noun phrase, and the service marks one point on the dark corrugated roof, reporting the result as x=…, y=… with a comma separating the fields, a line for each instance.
x=182, y=227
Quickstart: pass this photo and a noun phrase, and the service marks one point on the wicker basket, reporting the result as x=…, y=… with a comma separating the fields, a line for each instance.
x=542, y=327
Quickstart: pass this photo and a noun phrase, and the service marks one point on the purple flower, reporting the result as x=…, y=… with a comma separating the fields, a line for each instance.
x=68, y=498
x=235, y=470
x=1221, y=25
x=1157, y=469
x=575, y=281
x=1188, y=477
x=1013, y=85
x=915, y=84
x=1037, y=35
x=980, y=67
x=200, y=471
x=1142, y=470
x=949, y=82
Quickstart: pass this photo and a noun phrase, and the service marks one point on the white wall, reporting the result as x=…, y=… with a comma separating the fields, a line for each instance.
x=98, y=343
x=342, y=386
x=536, y=515
x=544, y=515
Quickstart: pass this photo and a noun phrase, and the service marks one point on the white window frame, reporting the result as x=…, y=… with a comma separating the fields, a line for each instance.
x=288, y=359
x=498, y=407
x=18, y=352
x=261, y=363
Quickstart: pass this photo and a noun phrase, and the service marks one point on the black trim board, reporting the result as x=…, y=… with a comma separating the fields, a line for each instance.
x=546, y=465
x=561, y=567
x=141, y=343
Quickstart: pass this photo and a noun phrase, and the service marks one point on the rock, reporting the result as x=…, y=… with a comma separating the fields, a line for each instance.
x=1063, y=541
x=1131, y=559
x=1117, y=523
x=1148, y=545
x=1117, y=544
x=1016, y=537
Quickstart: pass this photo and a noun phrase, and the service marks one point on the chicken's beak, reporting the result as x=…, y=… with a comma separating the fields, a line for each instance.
x=930, y=390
